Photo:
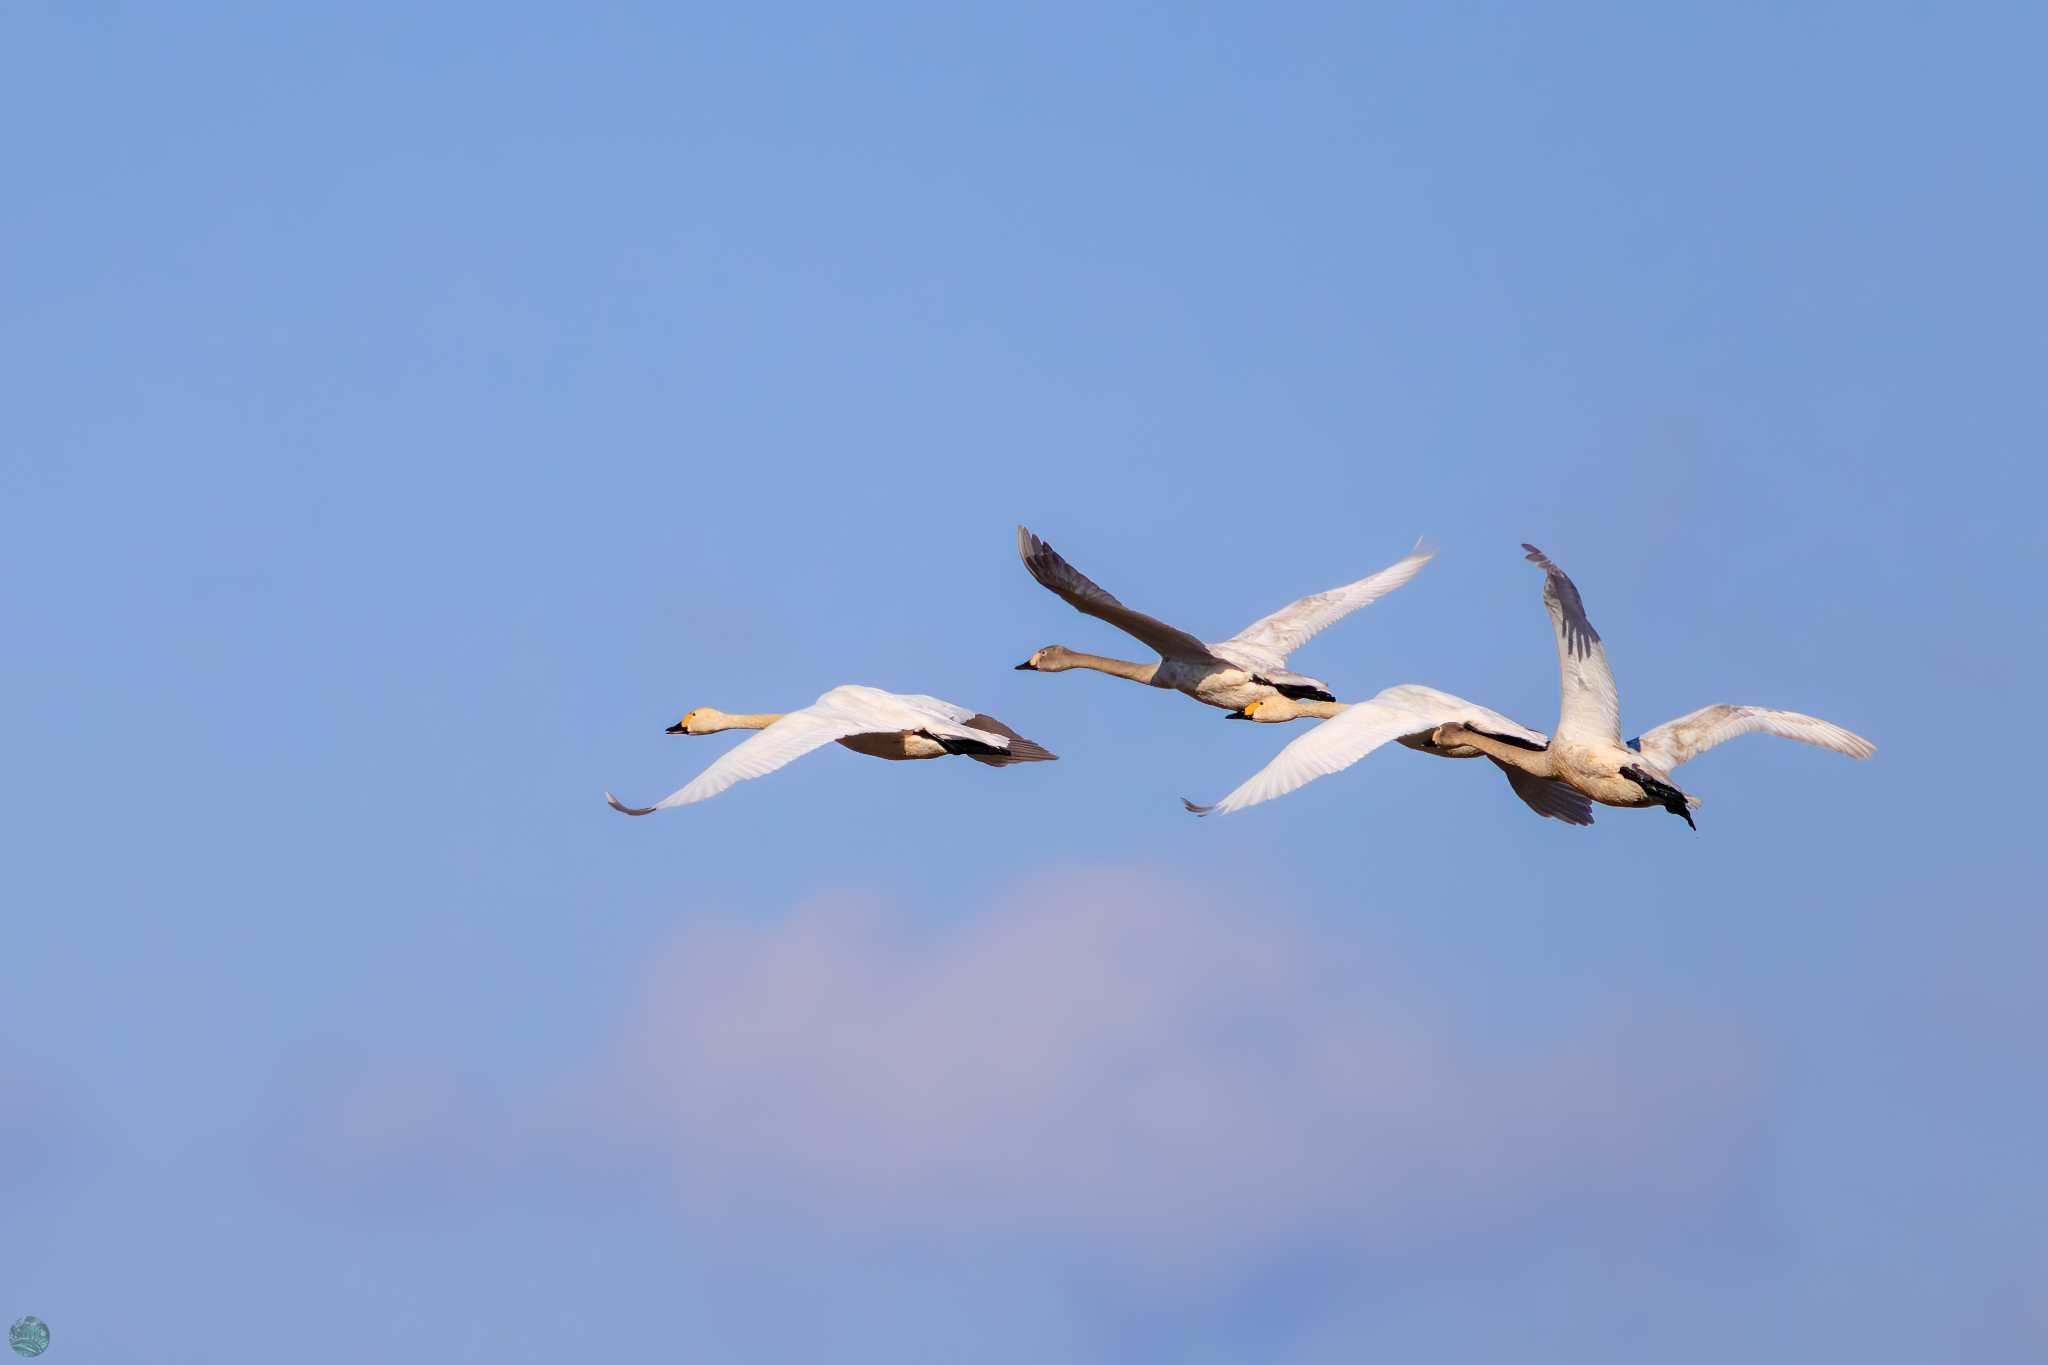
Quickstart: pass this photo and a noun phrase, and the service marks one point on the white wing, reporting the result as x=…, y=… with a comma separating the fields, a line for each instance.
x=1540, y=794
x=1397, y=712
x=894, y=710
x=1082, y=594
x=1331, y=747
x=1264, y=645
x=1591, y=707
x=1440, y=707
x=839, y=714
x=1688, y=737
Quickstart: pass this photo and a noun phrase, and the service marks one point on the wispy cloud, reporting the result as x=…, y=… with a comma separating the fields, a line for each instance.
x=1118, y=1062
x=1115, y=1066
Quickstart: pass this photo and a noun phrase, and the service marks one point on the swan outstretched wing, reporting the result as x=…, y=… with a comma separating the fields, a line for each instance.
x=1351, y=734
x=1330, y=747
x=1688, y=737
x=1439, y=707
x=1591, y=706
x=1396, y=713
x=894, y=710
x=787, y=740
x=839, y=714
x=1265, y=644
x=1083, y=595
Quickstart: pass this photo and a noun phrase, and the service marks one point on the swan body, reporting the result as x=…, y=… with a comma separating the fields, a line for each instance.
x=1251, y=666
x=1586, y=757
x=867, y=720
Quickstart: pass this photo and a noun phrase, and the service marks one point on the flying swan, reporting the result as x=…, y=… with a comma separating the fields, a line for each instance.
x=866, y=720
x=1586, y=755
x=1248, y=667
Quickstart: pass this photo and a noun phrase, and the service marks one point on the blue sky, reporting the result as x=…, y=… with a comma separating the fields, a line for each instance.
x=409, y=415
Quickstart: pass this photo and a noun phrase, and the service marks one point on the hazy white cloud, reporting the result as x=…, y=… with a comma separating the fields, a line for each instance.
x=1112, y=1067
x=1119, y=1064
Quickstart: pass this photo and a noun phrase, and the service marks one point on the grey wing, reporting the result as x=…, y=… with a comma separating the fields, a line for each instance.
x=1083, y=595
x=1545, y=797
x=1591, y=705
x=1267, y=642
x=1678, y=741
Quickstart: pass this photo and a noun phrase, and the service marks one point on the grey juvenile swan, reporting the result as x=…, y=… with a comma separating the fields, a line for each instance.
x=1250, y=666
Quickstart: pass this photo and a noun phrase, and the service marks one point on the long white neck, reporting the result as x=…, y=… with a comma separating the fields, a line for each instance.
x=1116, y=668
x=725, y=722
x=1274, y=710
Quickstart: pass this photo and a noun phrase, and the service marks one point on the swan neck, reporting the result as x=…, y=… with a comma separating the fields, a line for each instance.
x=1119, y=668
x=760, y=722
x=1535, y=762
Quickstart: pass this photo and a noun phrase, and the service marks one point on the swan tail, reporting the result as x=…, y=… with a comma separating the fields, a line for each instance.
x=1021, y=750
x=1295, y=686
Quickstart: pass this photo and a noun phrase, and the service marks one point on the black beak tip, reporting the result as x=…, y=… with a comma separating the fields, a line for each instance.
x=1025, y=667
x=1235, y=715
x=676, y=729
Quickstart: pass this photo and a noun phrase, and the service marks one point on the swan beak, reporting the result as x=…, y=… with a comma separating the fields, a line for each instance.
x=1235, y=715
x=676, y=729
x=1025, y=667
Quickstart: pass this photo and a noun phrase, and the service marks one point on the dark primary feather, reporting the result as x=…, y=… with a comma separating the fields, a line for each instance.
x=1579, y=635
x=1085, y=595
x=1021, y=750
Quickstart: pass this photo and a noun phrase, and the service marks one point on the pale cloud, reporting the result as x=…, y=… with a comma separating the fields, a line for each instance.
x=1118, y=1064
x=1116, y=1068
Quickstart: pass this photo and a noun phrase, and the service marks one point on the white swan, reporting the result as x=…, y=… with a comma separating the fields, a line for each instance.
x=1586, y=754
x=1250, y=666
x=1405, y=714
x=866, y=720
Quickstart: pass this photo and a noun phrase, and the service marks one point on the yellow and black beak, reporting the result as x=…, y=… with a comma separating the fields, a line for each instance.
x=676, y=729
x=1236, y=715
x=1026, y=667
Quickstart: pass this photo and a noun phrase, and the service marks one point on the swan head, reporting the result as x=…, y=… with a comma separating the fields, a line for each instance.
x=1267, y=711
x=698, y=720
x=1051, y=659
